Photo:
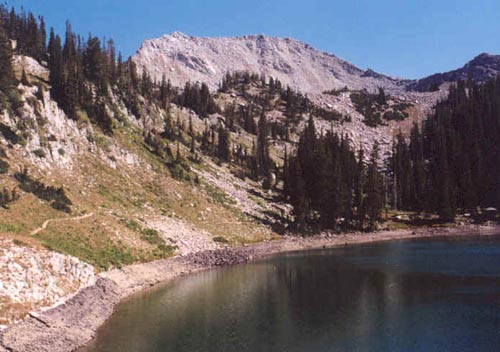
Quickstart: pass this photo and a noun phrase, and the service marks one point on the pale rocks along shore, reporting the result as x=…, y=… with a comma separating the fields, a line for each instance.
x=74, y=323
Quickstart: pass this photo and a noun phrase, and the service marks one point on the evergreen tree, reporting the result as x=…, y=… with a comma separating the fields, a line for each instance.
x=224, y=145
x=55, y=66
x=262, y=151
x=299, y=198
x=454, y=159
x=418, y=161
x=7, y=80
x=374, y=201
x=325, y=170
x=359, y=187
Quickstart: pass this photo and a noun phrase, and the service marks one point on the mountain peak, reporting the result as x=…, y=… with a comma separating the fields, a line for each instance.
x=177, y=35
x=207, y=59
x=484, y=56
x=484, y=59
x=482, y=68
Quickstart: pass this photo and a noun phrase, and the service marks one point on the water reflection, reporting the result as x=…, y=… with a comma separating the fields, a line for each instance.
x=413, y=296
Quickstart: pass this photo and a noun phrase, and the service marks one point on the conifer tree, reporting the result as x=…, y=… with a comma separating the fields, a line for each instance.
x=359, y=187
x=262, y=151
x=299, y=197
x=374, y=201
x=224, y=145
x=7, y=79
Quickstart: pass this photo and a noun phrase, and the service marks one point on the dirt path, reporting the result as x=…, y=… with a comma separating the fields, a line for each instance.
x=48, y=222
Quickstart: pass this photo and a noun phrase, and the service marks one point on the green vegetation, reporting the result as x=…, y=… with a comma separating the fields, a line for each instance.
x=4, y=166
x=93, y=85
x=8, y=196
x=336, y=92
x=379, y=107
x=20, y=243
x=9, y=134
x=218, y=196
x=101, y=255
x=153, y=237
x=272, y=94
x=9, y=97
x=10, y=228
x=453, y=161
x=220, y=239
x=329, y=187
x=40, y=153
x=328, y=183
x=56, y=196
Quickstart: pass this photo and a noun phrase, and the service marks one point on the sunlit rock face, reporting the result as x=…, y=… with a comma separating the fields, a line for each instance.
x=183, y=58
x=35, y=278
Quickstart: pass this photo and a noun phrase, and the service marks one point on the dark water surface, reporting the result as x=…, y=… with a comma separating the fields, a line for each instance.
x=439, y=295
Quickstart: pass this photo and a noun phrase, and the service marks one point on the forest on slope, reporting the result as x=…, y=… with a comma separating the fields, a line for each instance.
x=452, y=164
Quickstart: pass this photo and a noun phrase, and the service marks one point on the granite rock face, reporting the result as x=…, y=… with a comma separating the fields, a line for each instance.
x=35, y=278
x=183, y=58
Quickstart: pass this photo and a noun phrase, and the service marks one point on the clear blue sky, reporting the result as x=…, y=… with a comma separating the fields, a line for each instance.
x=409, y=38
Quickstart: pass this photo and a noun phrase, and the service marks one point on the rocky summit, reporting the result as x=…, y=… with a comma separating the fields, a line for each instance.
x=481, y=69
x=183, y=58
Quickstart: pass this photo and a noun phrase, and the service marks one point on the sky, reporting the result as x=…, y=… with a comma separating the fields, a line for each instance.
x=403, y=38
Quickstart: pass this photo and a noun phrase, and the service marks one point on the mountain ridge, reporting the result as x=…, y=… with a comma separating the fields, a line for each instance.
x=207, y=59
x=182, y=57
x=481, y=68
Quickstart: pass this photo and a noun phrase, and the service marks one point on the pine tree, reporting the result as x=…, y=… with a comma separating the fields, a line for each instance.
x=359, y=187
x=224, y=145
x=262, y=151
x=41, y=48
x=419, y=174
x=146, y=84
x=299, y=197
x=445, y=202
x=190, y=128
x=7, y=80
x=374, y=201
x=192, y=148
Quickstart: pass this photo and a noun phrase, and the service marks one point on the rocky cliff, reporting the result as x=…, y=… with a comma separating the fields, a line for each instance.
x=184, y=58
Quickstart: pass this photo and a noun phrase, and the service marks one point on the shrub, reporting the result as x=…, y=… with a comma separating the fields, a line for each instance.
x=8, y=196
x=56, y=196
x=220, y=239
x=40, y=153
x=4, y=167
x=9, y=134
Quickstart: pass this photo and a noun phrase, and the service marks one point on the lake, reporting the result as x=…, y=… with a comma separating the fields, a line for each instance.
x=422, y=295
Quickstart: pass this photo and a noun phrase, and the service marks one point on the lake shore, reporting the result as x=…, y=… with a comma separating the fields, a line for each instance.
x=74, y=323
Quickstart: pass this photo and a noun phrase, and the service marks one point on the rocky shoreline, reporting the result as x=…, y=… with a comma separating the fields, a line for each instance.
x=74, y=323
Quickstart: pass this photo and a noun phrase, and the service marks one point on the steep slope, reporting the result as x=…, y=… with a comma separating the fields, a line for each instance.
x=103, y=201
x=183, y=58
x=480, y=69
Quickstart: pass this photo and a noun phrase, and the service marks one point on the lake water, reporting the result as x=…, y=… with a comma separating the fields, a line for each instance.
x=438, y=295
